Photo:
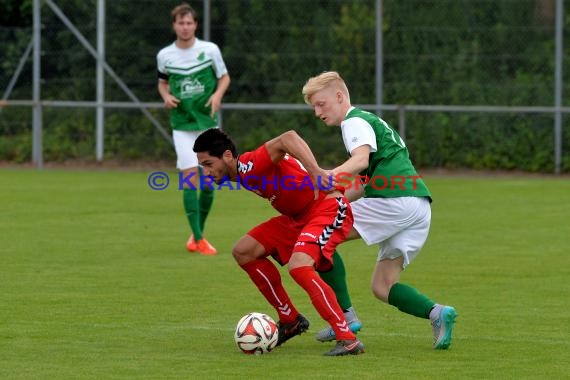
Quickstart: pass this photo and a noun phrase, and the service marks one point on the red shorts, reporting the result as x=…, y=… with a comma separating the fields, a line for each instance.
x=316, y=233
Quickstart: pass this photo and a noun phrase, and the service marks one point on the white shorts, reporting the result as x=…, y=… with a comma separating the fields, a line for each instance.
x=183, y=144
x=399, y=225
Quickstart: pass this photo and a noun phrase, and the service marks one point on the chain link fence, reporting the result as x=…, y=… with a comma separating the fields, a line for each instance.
x=470, y=83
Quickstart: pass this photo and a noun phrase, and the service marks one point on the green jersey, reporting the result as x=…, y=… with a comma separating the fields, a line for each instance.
x=192, y=76
x=390, y=171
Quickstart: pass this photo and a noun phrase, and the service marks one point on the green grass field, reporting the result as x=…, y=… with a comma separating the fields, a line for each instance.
x=95, y=283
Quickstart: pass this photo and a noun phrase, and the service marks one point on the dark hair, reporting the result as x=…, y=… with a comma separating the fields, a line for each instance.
x=182, y=10
x=214, y=142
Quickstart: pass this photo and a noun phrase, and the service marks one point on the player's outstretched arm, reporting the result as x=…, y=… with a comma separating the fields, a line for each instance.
x=356, y=163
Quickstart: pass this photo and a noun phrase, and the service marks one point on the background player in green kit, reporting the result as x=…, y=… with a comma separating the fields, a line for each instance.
x=395, y=210
x=192, y=80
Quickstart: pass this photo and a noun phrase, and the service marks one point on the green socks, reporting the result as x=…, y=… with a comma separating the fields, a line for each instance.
x=404, y=297
x=336, y=279
x=205, y=204
x=190, y=200
x=197, y=209
x=409, y=300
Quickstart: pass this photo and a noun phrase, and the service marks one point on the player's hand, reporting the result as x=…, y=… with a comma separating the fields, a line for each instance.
x=329, y=180
x=214, y=103
x=171, y=102
x=322, y=181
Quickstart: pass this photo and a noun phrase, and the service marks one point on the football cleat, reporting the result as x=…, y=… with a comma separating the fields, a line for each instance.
x=289, y=330
x=443, y=327
x=191, y=245
x=346, y=347
x=327, y=334
x=205, y=248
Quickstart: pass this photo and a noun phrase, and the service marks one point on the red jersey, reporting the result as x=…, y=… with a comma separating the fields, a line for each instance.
x=286, y=184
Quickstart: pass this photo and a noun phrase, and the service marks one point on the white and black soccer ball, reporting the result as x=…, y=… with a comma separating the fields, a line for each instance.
x=256, y=333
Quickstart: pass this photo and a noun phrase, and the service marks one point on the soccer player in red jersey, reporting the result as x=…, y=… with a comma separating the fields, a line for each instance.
x=312, y=223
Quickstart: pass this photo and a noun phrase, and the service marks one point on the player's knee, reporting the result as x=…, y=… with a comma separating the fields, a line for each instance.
x=246, y=250
x=300, y=259
x=240, y=254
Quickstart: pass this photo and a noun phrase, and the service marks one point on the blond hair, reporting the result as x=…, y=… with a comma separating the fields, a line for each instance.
x=322, y=81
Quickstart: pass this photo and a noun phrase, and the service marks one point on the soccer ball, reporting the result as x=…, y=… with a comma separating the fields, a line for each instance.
x=256, y=333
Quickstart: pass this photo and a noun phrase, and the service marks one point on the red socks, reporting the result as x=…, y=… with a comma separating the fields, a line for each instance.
x=324, y=300
x=268, y=280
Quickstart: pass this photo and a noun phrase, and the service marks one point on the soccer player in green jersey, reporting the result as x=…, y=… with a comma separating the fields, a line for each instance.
x=392, y=209
x=192, y=80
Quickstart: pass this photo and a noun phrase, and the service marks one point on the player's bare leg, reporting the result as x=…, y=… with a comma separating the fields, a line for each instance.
x=386, y=287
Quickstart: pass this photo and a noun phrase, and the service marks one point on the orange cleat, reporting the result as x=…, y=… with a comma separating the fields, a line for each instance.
x=205, y=248
x=191, y=245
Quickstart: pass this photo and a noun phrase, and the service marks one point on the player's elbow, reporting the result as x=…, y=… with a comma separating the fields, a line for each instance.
x=162, y=87
x=290, y=135
x=287, y=140
x=224, y=81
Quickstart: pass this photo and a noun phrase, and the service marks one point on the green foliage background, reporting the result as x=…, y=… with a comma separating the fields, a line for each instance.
x=435, y=52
